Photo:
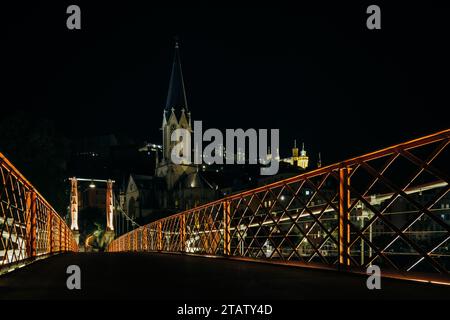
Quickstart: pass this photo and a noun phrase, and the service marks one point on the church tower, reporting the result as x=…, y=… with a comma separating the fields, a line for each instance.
x=176, y=115
x=319, y=161
x=295, y=154
x=303, y=160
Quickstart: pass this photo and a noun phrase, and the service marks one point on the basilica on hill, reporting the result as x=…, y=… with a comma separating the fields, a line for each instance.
x=177, y=187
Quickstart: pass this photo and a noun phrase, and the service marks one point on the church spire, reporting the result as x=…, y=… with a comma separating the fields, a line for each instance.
x=176, y=95
x=303, y=152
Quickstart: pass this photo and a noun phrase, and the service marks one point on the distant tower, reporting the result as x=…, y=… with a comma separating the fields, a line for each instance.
x=176, y=115
x=295, y=154
x=319, y=161
x=303, y=160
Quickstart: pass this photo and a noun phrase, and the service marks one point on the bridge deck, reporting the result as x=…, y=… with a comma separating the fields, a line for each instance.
x=164, y=276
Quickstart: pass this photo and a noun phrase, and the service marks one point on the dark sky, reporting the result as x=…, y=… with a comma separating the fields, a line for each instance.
x=313, y=71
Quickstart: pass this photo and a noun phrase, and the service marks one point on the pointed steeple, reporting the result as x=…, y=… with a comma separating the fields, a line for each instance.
x=176, y=95
x=303, y=152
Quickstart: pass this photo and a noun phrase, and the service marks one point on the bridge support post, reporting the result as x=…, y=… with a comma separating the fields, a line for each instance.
x=182, y=233
x=344, y=216
x=74, y=204
x=76, y=236
x=31, y=207
x=109, y=234
x=109, y=206
x=74, y=209
x=226, y=228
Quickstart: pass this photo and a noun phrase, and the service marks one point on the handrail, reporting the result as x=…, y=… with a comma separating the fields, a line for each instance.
x=385, y=207
x=30, y=227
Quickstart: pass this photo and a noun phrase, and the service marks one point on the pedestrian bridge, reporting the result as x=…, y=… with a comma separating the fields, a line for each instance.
x=290, y=239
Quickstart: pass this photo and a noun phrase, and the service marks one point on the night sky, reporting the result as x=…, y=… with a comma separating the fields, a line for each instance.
x=315, y=72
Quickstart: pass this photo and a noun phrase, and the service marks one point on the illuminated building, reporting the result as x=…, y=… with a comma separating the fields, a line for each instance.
x=297, y=160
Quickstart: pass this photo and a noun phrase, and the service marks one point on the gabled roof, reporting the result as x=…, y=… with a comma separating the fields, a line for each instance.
x=144, y=182
x=193, y=180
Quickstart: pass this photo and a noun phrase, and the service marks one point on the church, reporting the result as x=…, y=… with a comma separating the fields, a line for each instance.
x=187, y=186
x=177, y=187
x=174, y=187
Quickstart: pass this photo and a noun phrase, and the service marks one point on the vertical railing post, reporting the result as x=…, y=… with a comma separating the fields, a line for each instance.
x=136, y=238
x=344, y=216
x=183, y=233
x=63, y=238
x=144, y=238
x=67, y=238
x=152, y=237
x=159, y=237
x=31, y=208
x=226, y=228
x=60, y=235
x=50, y=231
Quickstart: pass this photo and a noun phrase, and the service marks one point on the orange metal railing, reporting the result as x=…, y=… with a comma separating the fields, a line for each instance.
x=29, y=226
x=390, y=208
